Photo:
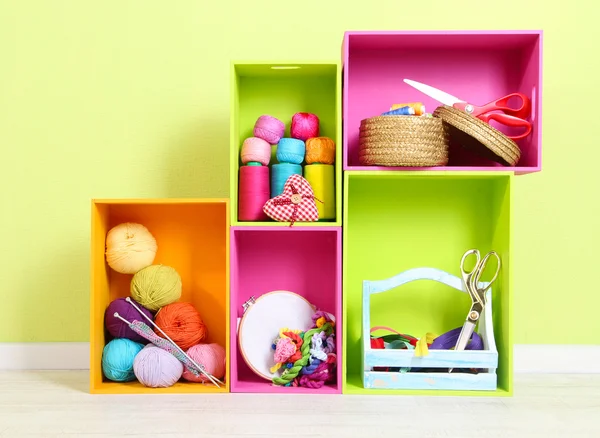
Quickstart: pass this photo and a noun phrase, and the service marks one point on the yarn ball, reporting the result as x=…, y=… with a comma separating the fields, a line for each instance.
x=130, y=247
x=118, y=358
x=182, y=323
x=211, y=356
x=305, y=126
x=256, y=149
x=290, y=150
x=320, y=150
x=156, y=286
x=157, y=368
x=269, y=129
x=119, y=329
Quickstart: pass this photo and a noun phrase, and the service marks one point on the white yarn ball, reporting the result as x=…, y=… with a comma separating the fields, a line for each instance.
x=130, y=247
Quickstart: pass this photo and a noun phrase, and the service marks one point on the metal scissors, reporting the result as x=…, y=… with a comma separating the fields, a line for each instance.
x=512, y=117
x=471, y=279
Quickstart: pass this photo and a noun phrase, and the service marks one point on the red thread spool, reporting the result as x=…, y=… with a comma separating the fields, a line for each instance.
x=254, y=191
x=304, y=126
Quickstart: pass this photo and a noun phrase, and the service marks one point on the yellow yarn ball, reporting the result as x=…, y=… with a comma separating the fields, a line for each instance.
x=156, y=286
x=130, y=247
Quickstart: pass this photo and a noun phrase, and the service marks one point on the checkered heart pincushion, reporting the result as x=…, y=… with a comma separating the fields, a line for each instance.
x=295, y=204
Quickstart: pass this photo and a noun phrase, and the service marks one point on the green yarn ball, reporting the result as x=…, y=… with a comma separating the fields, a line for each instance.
x=117, y=359
x=156, y=286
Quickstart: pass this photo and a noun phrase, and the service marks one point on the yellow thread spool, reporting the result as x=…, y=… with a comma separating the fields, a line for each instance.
x=417, y=106
x=321, y=177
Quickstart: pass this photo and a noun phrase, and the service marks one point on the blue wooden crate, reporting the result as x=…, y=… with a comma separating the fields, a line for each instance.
x=485, y=360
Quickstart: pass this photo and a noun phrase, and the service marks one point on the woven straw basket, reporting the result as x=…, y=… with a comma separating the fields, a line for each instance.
x=403, y=141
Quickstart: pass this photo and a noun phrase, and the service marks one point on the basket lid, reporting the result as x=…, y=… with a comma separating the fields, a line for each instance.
x=478, y=136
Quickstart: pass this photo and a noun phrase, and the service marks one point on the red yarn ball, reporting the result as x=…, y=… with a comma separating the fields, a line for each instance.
x=304, y=126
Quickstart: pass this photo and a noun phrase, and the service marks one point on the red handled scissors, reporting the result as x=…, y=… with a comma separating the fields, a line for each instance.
x=513, y=117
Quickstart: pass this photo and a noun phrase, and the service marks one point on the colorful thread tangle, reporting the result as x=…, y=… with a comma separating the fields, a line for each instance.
x=308, y=358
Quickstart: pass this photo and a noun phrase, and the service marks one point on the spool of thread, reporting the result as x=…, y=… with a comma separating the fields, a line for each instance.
x=118, y=358
x=279, y=175
x=402, y=111
x=211, y=356
x=320, y=150
x=182, y=323
x=304, y=126
x=254, y=191
x=156, y=286
x=417, y=106
x=321, y=177
x=157, y=368
x=130, y=247
x=256, y=149
x=269, y=129
x=116, y=327
x=253, y=163
x=290, y=150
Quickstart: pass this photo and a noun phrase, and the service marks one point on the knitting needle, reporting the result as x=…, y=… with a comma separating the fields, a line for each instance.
x=199, y=367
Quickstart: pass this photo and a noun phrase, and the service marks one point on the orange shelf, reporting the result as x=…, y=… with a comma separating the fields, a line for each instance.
x=193, y=237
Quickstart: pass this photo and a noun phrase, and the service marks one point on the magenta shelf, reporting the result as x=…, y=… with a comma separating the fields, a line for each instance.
x=304, y=260
x=478, y=66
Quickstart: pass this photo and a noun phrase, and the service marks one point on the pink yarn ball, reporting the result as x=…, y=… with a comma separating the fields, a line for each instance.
x=211, y=356
x=256, y=149
x=269, y=129
x=305, y=126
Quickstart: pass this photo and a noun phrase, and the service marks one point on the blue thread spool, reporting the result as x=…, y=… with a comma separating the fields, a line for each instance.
x=290, y=150
x=404, y=111
x=280, y=174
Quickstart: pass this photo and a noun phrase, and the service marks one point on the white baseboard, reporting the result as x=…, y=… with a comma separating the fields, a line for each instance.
x=45, y=356
x=567, y=359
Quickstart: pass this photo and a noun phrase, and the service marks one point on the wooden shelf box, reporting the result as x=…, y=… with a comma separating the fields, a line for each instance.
x=303, y=260
x=478, y=66
x=193, y=237
x=281, y=89
x=397, y=221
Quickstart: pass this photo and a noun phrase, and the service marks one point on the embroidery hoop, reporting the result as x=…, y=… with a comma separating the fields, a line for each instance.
x=259, y=326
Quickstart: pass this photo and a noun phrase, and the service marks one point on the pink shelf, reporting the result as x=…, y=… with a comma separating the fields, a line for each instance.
x=304, y=260
x=478, y=66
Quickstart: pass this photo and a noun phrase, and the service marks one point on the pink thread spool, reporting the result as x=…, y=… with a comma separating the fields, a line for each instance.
x=254, y=191
x=304, y=126
x=257, y=150
x=269, y=129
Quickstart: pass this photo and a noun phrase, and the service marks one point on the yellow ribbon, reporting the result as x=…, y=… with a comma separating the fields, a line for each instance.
x=421, y=349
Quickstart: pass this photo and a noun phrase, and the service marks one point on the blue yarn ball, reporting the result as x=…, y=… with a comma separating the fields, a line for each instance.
x=117, y=359
x=290, y=150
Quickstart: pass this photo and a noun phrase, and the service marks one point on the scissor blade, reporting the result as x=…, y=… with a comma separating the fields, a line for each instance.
x=439, y=95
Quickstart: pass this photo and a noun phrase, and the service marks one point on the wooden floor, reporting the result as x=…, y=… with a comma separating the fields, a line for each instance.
x=57, y=404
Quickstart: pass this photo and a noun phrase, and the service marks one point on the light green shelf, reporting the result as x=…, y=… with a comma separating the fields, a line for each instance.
x=281, y=89
x=394, y=221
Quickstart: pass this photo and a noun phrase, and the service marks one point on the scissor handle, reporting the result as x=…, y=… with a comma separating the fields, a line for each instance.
x=522, y=112
x=507, y=120
x=480, y=266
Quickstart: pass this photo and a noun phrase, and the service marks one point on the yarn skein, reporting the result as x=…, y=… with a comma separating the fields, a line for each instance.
x=116, y=327
x=290, y=150
x=156, y=286
x=320, y=150
x=118, y=357
x=256, y=149
x=130, y=247
x=280, y=174
x=182, y=323
x=211, y=356
x=254, y=190
x=304, y=126
x=269, y=129
x=156, y=368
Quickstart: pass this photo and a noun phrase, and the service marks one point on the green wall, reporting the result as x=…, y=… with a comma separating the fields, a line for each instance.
x=122, y=98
